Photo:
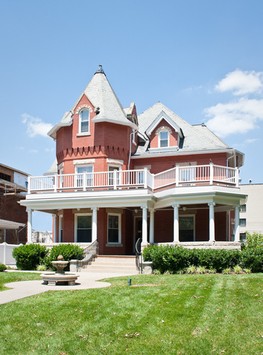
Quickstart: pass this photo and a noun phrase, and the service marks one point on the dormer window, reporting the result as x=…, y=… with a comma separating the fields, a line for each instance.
x=84, y=121
x=163, y=138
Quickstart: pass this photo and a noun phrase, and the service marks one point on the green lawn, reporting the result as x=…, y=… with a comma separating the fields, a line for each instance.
x=164, y=314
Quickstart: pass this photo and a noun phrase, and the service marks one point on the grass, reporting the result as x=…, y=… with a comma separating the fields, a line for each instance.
x=6, y=277
x=158, y=314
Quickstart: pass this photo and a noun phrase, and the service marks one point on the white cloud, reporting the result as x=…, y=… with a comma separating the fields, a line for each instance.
x=35, y=126
x=241, y=82
x=239, y=116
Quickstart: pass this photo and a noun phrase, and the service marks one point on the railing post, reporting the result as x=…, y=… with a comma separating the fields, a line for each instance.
x=145, y=177
x=236, y=177
x=115, y=179
x=84, y=179
x=29, y=184
x=177, y=175
x=211, y=173
x=56, y=183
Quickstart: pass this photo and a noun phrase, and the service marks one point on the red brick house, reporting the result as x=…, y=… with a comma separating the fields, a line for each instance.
x=120, y=176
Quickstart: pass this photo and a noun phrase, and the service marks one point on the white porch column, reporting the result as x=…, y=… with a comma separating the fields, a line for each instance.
x=236, y=232
x=152, y=225
x=211, y=222
x=144, y=225
x=94, y=225
x=176, y=223
x=54, y=228
x=29, y=225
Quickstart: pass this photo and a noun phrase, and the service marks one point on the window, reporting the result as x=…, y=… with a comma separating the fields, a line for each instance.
x=114, y=228
x=84, y=121
x=242, y=222
x=83, y=224
x=163, y=139
x=82, y=172
x=243, y=208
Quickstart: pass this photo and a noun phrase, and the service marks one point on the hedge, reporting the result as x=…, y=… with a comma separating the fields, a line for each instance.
x=176, y=259
x=68, y=251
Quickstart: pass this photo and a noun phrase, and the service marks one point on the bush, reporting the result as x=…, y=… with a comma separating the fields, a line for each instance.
x=29, y=256
x=176, y=259
x=68, y=251
x=2, y=267
x=252, y=253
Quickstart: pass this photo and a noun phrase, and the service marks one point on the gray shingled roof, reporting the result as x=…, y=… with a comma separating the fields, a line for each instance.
x=102, y=96
x=197, y=137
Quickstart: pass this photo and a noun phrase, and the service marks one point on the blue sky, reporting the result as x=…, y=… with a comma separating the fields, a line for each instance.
x=203, y=59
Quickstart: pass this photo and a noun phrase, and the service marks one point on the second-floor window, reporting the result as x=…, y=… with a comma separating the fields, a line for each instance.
x=163, y=139
x=84, y=121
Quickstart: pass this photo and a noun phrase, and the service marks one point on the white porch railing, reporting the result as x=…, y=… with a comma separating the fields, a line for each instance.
x=139, y=178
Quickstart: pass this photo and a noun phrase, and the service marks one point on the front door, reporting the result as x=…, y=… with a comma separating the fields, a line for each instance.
x=187, y=228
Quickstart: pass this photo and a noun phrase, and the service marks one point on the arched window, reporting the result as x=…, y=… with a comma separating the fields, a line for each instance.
x=84, y=121
x=163, y=138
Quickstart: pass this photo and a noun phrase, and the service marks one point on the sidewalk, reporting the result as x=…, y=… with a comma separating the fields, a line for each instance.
x=86, y=280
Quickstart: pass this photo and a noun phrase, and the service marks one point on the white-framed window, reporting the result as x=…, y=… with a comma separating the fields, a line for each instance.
x=84, y=175
x=163, y=138
x=83, y=228
x=114, y=175
x=114, y=228
x=84, y=121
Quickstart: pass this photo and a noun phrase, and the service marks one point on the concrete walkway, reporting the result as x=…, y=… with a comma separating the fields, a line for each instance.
x=86, y=280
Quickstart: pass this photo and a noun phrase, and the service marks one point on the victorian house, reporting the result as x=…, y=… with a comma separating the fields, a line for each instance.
x=120, y=176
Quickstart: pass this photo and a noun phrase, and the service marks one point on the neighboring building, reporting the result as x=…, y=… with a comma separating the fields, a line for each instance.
x=120, y=176
x=251, y=213
x=13, y=186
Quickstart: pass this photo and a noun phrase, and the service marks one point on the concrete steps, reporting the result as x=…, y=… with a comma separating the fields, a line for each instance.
x=112, y=264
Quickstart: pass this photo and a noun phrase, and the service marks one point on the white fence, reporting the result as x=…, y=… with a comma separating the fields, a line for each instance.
x=6, y=251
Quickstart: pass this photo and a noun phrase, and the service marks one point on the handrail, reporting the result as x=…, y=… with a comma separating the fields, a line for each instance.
x=138, y=178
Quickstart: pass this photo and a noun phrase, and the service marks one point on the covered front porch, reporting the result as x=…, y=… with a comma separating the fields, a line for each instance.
x=189, y=216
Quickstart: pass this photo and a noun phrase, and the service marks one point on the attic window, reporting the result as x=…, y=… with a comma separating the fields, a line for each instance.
x=84, y=121
x=163, y=138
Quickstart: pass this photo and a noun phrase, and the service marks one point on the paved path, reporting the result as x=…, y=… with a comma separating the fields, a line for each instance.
x=86, y=280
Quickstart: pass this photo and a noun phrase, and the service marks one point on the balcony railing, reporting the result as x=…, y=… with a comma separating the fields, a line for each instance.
x=141, y=178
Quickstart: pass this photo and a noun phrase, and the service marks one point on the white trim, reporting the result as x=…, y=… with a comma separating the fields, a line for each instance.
x=114, y=161
x=84, y=162
x=164, y=130
x=80, y=121
x=119, y=228
x=76, y=215
x=168, y=119
x=60, y=227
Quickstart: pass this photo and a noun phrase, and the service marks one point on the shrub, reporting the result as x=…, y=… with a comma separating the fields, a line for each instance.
x=176, y=259
x=2, y=267
x=252, y=259
x=68, y=251
x=41, y=267
x=29, y=256
x=252, y=253
x=227, y=271
x=238, y=269
x=254, y=241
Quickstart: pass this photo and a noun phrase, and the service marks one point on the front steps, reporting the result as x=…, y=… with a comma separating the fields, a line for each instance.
x=119, y=264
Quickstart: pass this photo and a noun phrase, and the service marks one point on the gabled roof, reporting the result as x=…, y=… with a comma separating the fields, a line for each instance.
x=103, y=98
x=163, y=115
x=196, y=138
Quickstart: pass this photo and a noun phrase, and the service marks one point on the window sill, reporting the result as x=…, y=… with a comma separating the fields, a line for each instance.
x=83, y=134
